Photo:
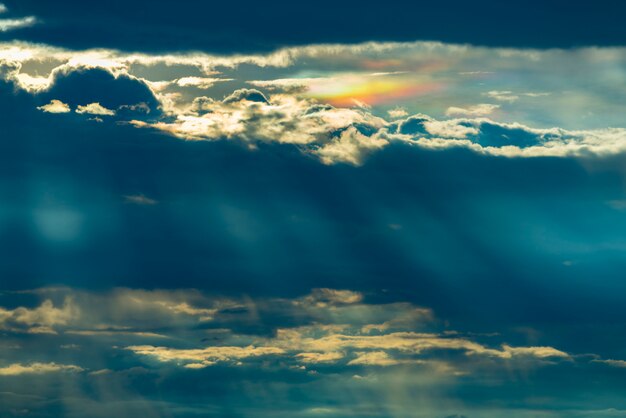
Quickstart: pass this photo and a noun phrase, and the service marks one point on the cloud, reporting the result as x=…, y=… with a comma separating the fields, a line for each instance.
x=352, y=147
x=373, y=358
x=12, y=24
x=324, y=297
x=37, y=368
x=472, y=111
x=612, y=363
x=397, y=113
x=197, y=358
x=95, y=109
x=251, y=95
x=510, y=97
x=503, y=96
x=3, y=8
x=139, y=199
x=199, y=82
x=329, y=357
x=299, y=111
x=41, y=319
x=55, y=106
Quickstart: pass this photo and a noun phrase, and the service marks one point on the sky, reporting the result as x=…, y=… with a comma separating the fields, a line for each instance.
x=335, y=209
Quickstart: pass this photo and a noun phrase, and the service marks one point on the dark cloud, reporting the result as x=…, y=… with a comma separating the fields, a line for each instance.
x=254, y=26
x=83, y=86
x=251, y=95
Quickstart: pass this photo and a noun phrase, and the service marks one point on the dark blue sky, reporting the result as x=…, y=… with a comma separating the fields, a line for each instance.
x=245, y=26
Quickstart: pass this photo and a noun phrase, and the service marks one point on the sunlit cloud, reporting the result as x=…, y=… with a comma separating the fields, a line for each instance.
x=55, y=106
x=37, y=368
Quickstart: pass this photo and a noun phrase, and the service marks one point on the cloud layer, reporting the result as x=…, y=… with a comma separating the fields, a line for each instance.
x=340, y=115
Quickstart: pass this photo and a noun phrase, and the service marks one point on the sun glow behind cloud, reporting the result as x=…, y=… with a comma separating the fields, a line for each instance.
x=370, y=89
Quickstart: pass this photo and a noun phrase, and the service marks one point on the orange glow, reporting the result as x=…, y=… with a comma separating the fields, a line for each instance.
x=347, y=90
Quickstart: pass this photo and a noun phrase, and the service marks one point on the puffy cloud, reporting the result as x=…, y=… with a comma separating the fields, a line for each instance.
x=332, y=134
x=95, y=109
x=351, y=147
x=55, y=106
x=37, y=368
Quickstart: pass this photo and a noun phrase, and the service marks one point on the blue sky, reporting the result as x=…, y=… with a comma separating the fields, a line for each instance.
x=250, y=210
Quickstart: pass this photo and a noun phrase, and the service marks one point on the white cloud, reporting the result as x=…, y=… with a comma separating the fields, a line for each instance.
x=200, y=82
x=55, y=106
x=511, y=97
x=3, y=8
x=503, y=96
x=397, y=113
x=95, y=109
x=478, y=110
x=351, y=147
x=12, y=24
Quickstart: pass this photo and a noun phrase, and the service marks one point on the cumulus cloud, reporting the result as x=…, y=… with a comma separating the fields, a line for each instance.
x=95, y=109
x=351, y=147
x=55, y=106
